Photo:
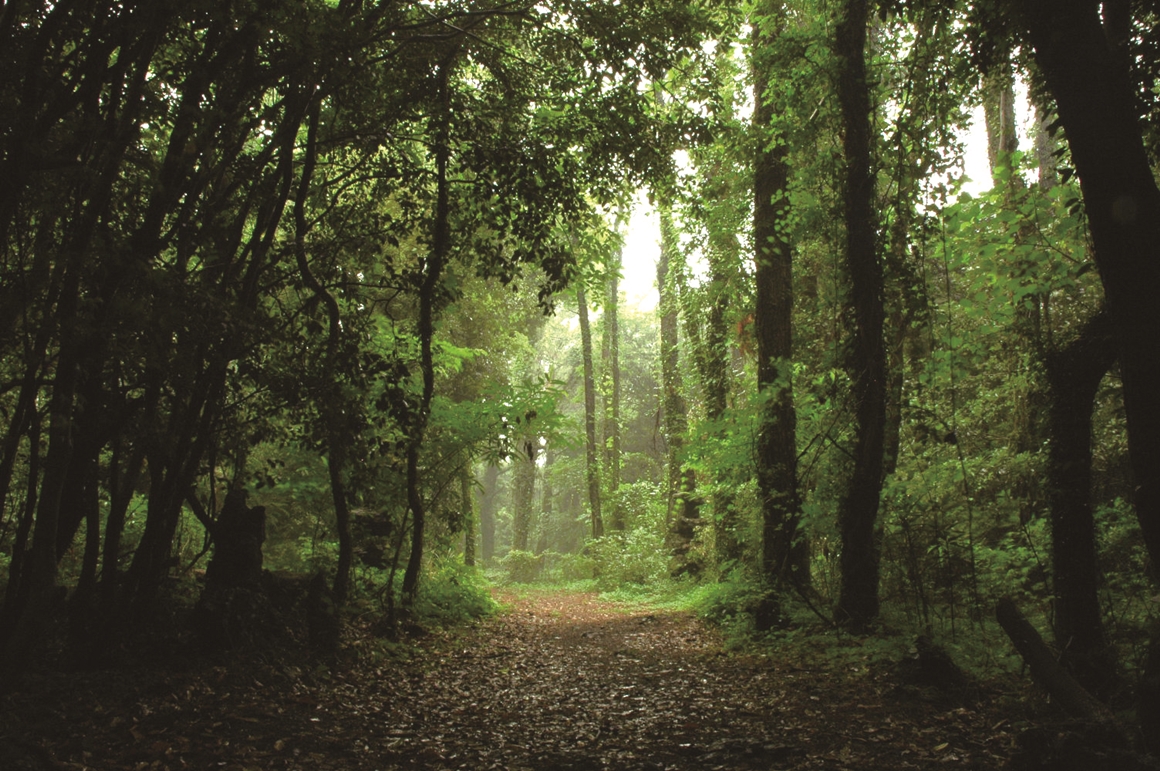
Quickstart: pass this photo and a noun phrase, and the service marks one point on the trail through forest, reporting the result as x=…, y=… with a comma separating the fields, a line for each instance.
x=559, y=681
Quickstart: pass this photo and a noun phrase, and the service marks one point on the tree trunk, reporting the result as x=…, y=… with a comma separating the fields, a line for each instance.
x=784, y=556
x=467, y=502
x=716, y=384
x=1092, y=91
x=1045, y=146
x=487, y=512
x=1064, y=690
x=335, y=466
x=546, y=501
x=612, y=390
x=432, y=274
x=592, y=463
x=330, y=407
x=233, y=596
x=173, y=464
x=1073, y=375
x=37, y=595
x=858, y=510
x=683, y=512
x=523, y=493
x=999, y=116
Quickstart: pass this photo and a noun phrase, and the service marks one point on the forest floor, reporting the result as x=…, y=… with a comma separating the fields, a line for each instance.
x=558, y=681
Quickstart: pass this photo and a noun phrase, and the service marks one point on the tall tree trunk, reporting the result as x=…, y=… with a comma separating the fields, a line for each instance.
x=1073, y=375
x=1085, y=73
x=37, y=595
x=681, y=491
x=432, y=274
x=467, y=503
x=723, y=195
x=1045, y=146
x=783, y=556
x=487, y=512
x=611, y=390
x=858, y=510
x=592, y=462
x=546, y=501
x=999, y=116
x=15, y=597
x=715, y=380
x=330, y=407
x=523, y=493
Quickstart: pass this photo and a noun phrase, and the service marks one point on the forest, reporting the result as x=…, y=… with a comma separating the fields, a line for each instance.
x=315, y=343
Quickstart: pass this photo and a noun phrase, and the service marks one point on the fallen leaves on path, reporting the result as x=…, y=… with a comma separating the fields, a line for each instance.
x=560, y=681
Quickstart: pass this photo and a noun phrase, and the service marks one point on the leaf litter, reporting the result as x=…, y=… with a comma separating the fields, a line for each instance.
x=559, y=681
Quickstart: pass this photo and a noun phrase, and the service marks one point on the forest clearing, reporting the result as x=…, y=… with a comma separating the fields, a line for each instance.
x=559, y=681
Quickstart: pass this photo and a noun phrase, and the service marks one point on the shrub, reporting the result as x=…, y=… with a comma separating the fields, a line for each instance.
x=635, y=556
x=568, y=568
x=521, y=567
x=452, y=593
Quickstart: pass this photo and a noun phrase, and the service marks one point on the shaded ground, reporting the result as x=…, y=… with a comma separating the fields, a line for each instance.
x=562, y=681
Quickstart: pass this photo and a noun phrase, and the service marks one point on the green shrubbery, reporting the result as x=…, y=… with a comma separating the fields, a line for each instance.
x=452, y=593
x=521, y=567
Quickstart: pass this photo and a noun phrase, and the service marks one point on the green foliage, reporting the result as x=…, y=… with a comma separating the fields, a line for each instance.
x=452, y=594
x=635, y=556
x=568, y=568
x=730, y=604
x=521, y=567
x=1128, y=594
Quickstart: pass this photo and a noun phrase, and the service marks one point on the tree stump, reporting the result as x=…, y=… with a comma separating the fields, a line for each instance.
x=233, y=599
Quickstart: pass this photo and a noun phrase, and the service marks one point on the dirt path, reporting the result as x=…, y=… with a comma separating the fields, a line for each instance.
x=562, y=681
x=569, y=682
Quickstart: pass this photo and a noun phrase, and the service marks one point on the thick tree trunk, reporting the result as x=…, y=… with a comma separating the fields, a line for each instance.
x=783, y=556
x=858, y=510
x=1123, y=206
x=1086, y=75
x=82, y=602
x=592, y=462
x=1073, y=375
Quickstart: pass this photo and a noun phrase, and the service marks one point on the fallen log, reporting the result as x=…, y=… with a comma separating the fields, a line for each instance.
x=1046, y=670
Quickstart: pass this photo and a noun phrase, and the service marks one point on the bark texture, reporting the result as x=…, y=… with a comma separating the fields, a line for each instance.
x=1085, y=69
x=1073, y=375
x=773, y=324
x=683, y=507
x=858, y=511
x=592, y=462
